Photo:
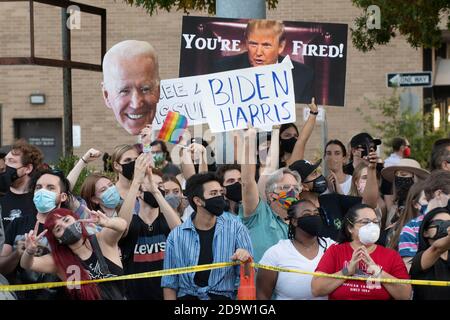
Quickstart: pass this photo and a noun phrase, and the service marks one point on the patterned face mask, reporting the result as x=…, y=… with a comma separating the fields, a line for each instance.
x=287, y=198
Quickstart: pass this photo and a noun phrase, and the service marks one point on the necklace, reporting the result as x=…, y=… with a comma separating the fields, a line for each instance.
x=150, y=227
x=313, y=246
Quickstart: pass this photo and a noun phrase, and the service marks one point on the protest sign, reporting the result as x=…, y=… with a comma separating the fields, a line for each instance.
x=262, y=96
x=318, y=52
x=180, y=95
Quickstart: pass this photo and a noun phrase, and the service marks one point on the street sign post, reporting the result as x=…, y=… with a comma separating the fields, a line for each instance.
x=411, y=79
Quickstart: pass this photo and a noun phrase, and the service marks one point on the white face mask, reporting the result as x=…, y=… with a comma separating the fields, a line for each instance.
x=369, y=233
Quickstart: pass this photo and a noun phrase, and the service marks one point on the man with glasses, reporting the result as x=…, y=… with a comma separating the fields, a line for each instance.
x=21, y=162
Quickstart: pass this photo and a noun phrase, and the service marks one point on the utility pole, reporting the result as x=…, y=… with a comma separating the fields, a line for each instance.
x=67, y=85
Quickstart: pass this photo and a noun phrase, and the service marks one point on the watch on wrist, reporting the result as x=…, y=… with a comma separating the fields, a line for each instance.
x=345, y=271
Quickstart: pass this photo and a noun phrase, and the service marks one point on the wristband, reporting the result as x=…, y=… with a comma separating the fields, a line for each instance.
x=314, y=113
x=83, y=160
x=30, y=253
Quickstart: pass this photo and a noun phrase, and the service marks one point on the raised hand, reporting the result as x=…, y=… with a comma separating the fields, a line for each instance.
x=149, y=184
x=146, y=135
x=32, y=239
x=91, y=155
x=140, y=167
x=97, y=217
x=313, y=107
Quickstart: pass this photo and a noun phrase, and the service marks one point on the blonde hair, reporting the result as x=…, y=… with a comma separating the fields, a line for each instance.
x=126, y=50
x=118, y=153
x=276, y=25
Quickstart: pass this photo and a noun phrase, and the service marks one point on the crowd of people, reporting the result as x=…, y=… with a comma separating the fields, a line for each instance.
x=357, y=216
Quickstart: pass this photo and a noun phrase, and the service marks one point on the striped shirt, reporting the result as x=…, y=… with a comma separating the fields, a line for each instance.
x=183, y=250
x=409, y=237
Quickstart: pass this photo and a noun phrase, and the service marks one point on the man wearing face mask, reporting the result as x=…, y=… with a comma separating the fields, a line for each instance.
x=21, y=162
x=144, y=244
x=437, y=193
x=208, y=236
x=334, y=206
x=51, y=191
x=230, y=177
x=400, y=150
x=162, y=160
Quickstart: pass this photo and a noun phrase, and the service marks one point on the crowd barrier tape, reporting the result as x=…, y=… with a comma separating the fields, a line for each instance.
x=169, y=272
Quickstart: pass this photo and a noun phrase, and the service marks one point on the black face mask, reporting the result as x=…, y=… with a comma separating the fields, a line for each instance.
x=128, y=170
x=441, y=228
x=310, y=224
x=287, y=145
x=7, y=178
x=72, y=234
x=402, y=186
x=319, y=185
x=234, y=192
x=215, y=205
x=149, y=198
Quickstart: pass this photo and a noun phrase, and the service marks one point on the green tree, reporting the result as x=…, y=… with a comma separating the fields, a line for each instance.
x=417, y=20
x=416, y=127
x=186, y=5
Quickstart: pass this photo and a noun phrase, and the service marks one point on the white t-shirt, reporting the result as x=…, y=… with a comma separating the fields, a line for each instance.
x=346, y=185
x=292, y=286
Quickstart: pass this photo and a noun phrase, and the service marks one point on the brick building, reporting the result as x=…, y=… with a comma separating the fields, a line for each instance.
x=366, y=72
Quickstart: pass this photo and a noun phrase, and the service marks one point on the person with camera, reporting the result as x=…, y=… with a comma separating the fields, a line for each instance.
x=432, y=261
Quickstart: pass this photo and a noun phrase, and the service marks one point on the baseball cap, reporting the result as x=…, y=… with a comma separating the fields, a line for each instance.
x=304, y=167
x=363, y=138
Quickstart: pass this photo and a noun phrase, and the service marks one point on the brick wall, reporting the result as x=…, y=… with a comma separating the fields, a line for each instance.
x=365, y=72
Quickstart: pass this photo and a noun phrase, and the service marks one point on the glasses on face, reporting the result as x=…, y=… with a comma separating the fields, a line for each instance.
x=288, y=187
x=367, y=221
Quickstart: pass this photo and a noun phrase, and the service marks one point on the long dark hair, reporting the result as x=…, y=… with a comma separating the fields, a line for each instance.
x=291, y=213
x=349, y=220
x=283, y=128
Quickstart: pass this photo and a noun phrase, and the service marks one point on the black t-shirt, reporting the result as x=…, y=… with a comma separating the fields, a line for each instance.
x=439, y=271
x=16, y=206
x=16, y=232
x=334, y=207
x=143, y=251
x=171, y=169
x=206, y=255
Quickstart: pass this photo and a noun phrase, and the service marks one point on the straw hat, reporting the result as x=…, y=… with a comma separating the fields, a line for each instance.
x=409, y=165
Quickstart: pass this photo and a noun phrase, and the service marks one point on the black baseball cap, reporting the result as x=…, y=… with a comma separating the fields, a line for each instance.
x=363, y=138
x=304, y=167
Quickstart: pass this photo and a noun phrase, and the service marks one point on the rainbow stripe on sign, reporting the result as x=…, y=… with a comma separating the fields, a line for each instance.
x=173, y=127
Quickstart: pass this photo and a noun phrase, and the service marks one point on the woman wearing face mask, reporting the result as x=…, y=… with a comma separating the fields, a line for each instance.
x=432, y=259
x=359, y=181
x=402, y=176
x=293, y=144
x=73, y=250
x=123, y=161
x=415, y=205
x=162, y=159
x=335, y=157
x=358, y=255
x=301, y=251
x=144, y=243
x=101, y=194
x=174, y=196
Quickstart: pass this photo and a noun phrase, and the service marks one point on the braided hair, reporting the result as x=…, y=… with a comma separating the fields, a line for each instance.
x=291, y=228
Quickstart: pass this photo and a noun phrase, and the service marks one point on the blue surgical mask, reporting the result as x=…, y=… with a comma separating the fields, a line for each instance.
x=111, y=197
x=44, y=200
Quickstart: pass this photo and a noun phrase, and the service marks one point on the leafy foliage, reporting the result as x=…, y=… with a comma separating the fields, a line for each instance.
x=416, y=127
x=65, y=164
x=151, y=6
x=417, y=20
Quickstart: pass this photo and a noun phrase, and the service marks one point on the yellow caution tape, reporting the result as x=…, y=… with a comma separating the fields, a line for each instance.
x=169, y=272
